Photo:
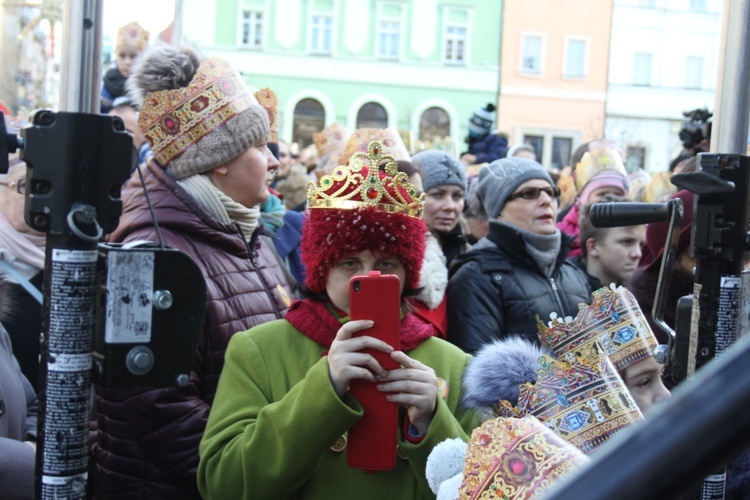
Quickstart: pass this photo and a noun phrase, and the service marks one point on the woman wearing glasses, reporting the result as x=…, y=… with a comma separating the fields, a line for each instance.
x=22, y=267
x=518, y=271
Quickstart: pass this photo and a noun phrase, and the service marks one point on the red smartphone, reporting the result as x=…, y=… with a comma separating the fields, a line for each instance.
x=372, y=440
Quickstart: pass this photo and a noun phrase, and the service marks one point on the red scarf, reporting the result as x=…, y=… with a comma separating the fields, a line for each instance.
x=315, y=320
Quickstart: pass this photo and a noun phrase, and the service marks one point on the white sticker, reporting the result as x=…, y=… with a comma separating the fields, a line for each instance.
x=130, y=287
x=63, y=255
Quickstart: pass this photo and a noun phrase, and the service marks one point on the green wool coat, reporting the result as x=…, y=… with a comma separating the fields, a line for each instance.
x=276, y=416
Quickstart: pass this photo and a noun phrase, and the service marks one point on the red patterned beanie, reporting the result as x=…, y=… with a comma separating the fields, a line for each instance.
x=351, y=211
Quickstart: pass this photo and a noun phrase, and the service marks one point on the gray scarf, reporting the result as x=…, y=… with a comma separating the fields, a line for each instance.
x=542, y=248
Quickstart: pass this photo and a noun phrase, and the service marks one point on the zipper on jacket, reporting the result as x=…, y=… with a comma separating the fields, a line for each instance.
x=255, y=261
x=557, y=297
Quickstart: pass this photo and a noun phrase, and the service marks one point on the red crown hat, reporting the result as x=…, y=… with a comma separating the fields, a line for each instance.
x=353, y=210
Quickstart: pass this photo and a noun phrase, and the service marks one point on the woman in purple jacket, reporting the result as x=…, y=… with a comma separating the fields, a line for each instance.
x=210, y=170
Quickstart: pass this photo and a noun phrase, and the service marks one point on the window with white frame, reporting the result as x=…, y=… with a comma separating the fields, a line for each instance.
x=388, y=31
x=252, y=29
x=455, y=44
x=693, y=72
x=389, y=39
x=531, y=54
x=434, y=124
x=635, y=158
x=642, y=69
x=321, y=34
x=552, y=147
x=575, y=58
x=372, y=115
x=456, y=35
x=309, y=118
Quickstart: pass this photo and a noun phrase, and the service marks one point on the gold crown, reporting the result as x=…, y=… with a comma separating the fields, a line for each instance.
x=580, y=397
x=595, y=162
x=390, y=138
x=331, y=138
x=515, y=458
x=267, y=98
x=613, y=319
x=356, y=186
x=174, y=120
x=132, y=34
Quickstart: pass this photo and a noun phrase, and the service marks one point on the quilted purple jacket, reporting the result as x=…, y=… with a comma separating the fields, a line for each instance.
x=146, y=444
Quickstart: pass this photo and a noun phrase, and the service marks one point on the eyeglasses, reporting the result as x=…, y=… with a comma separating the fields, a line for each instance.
x=533, y=193
x=20, y=185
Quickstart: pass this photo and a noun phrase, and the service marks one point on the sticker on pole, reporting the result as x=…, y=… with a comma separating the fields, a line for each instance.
x=130, y=287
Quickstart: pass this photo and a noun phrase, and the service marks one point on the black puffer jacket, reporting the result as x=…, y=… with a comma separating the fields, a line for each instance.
x=496, y=289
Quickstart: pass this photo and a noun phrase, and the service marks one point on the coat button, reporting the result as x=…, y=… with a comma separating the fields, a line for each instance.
x=400, y=453
x=339, y=445
x=2, y=407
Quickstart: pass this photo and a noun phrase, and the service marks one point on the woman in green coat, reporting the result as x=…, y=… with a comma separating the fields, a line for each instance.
x=279, y=422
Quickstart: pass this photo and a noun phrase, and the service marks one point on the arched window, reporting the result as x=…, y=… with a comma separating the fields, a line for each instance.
x=309, y=118
x=372, y=115
x=434, y=124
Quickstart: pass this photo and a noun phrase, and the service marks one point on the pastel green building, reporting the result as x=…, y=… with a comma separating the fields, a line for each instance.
x=421, y=66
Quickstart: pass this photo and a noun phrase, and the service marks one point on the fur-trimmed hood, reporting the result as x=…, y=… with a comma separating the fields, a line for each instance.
x=434, y=278
x=496, y=372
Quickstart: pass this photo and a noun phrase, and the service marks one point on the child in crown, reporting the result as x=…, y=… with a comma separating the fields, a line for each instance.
x=283, y=408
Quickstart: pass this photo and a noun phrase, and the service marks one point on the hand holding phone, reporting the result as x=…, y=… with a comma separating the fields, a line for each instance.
x=372, y=440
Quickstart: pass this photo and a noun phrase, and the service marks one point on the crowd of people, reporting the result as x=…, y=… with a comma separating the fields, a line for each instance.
x=489, y=246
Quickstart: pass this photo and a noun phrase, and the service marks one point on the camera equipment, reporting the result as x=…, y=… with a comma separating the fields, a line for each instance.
x=695, y=129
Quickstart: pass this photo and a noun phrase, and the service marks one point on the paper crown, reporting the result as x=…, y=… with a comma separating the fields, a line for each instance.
x=330, y=139
x=596, y=161
x=132, y=34
x=567, y=190
x=389, y=137
x=360, y=186
x=581, y=398
x=515, y=458
x=660, y=188
x=613, y=319
x=174, y=120
x=267, y=98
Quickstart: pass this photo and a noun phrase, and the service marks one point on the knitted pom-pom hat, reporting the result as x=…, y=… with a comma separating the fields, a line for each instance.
x=196, y=115
x=353, y=210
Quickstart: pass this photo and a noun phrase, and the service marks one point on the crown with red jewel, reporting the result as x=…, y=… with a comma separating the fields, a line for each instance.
x=361, y=185
x=579, y=396
x=613, y=319
x=516, y=458
x=174, y=120
x=132, y=34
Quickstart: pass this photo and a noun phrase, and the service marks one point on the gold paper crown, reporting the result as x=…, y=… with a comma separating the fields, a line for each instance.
x=267, y=98
x=595, y=162
x=174, y=120
x=132, y=34
x=660, y=188
x=391, y=140
x=515, y=458
x=613, y=319
x=331, y=138
x=581, y=398
x=350, y=187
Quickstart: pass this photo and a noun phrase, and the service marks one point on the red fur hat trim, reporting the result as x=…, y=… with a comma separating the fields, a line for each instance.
x=331, y=234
